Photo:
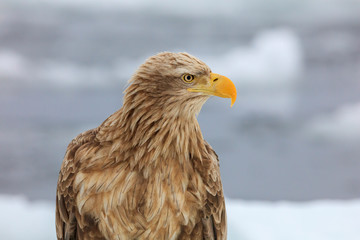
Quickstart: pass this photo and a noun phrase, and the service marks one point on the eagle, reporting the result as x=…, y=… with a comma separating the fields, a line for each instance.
x=146, y=172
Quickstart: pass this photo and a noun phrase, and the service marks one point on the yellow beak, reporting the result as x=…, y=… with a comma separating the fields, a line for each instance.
x=219, y=86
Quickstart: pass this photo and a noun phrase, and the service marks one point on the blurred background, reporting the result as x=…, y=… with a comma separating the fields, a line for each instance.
x=293, y=134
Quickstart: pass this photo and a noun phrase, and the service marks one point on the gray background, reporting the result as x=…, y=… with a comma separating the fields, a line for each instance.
x=64, y=66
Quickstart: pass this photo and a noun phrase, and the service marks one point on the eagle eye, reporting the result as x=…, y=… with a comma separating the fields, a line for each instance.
x=188, y=78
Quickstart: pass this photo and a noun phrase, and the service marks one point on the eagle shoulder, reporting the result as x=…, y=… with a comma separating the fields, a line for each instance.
x=66, y=220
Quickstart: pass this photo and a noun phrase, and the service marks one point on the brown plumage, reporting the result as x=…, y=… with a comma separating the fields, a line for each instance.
x=146, y=172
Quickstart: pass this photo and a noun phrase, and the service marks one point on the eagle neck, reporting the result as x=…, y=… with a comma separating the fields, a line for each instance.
x=155, y=134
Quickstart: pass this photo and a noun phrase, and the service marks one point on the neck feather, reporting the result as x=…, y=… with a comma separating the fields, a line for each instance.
x=147, y=132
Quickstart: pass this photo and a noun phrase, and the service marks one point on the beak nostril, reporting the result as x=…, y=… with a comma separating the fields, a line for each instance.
x=215, y=79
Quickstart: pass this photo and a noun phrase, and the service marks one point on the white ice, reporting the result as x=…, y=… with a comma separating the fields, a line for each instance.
x=225, y=8
x=341, y=124
x=273, y=59
x=320, y=220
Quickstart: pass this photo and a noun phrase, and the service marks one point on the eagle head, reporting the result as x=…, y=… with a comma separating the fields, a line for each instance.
x=177, y=82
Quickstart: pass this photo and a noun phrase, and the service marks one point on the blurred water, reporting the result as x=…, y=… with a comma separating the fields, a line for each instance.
x=63, y=70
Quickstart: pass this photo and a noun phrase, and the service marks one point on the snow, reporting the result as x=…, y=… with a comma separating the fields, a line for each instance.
x=71, y=75
x=184, y=8
x=21, y=219
x=273, y=58
x=319, y=220
x=342, y=124
x=11, y=64
x=60, y=74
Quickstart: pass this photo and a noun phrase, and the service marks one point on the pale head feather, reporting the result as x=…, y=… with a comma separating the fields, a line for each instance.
x=159, y=81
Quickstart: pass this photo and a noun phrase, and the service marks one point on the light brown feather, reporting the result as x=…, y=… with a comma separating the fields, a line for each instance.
x=146, y=172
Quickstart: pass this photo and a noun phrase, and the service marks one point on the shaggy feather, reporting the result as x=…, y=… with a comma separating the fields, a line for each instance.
x=146, y=172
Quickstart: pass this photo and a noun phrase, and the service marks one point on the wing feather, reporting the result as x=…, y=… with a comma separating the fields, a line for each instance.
x=214, y=220
x=66, y=222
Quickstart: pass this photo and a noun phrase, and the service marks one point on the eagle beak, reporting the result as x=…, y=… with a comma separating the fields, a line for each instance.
x=219, y=86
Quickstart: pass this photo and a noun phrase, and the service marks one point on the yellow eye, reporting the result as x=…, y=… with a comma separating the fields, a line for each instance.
x=188, y=78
